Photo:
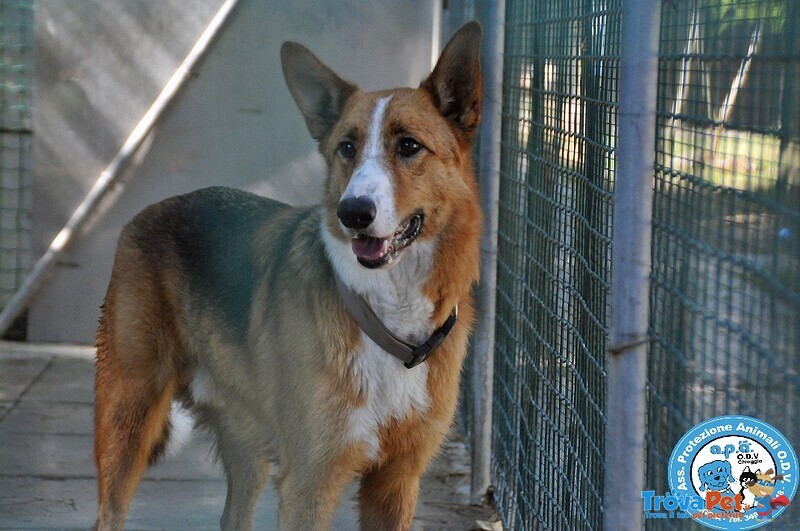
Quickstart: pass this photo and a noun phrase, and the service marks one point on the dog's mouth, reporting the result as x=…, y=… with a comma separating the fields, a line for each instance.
x=375, y=252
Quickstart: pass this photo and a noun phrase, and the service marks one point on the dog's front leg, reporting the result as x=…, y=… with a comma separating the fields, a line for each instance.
x=246, y=480
x=309, y=493
x=387, y=496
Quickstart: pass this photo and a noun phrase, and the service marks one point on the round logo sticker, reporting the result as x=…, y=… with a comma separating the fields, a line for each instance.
x=733, y=472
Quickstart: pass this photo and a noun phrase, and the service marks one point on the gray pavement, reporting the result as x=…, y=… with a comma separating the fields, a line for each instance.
x=47, y=476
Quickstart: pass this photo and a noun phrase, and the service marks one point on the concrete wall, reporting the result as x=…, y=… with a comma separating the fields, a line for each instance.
x=100, y=64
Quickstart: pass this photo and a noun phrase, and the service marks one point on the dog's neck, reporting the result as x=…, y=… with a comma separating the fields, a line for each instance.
x=394, y=293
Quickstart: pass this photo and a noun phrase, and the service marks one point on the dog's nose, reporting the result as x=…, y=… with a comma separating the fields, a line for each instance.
x=356, y=212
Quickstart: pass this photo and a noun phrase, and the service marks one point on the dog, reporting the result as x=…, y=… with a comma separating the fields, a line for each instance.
x=716, y=475
x=326, y=339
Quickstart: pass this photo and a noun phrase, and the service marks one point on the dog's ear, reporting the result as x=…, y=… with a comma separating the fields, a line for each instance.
x=318, y=91
x=455, y=83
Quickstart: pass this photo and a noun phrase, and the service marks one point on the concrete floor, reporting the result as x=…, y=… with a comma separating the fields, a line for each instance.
x=47, y=475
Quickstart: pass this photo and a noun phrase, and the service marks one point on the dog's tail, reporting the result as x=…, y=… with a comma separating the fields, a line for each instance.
x=181, y=423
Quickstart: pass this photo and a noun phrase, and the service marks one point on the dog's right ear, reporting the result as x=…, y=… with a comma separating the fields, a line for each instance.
x=318, y=91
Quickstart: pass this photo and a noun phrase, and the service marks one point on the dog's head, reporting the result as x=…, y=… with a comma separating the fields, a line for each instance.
x=715, y=475
x=399, y=161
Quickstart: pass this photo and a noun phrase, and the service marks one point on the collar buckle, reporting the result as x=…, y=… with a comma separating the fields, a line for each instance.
x=421, y=353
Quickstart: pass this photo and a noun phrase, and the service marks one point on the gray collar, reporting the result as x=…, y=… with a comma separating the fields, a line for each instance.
x=371, y=325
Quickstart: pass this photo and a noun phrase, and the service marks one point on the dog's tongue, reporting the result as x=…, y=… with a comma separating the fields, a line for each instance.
x=370, y=249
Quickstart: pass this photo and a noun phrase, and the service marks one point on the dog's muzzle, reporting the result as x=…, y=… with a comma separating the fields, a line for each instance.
x=374, y=251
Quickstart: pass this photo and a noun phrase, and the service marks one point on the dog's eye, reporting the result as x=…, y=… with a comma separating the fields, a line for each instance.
x=347, y=149
x=408, y=147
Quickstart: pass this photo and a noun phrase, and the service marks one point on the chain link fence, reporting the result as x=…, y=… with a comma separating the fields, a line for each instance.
x=725, y=280
x=16, y=73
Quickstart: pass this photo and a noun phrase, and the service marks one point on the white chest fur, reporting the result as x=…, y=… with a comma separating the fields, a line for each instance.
x=391, y=392
x=395, y=294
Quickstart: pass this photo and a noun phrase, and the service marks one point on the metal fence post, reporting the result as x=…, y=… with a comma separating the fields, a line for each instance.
x=493, y=17
x=630, y=268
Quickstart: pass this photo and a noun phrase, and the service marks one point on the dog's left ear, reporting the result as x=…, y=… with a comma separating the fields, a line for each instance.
x=455, y=83
x=318, y=91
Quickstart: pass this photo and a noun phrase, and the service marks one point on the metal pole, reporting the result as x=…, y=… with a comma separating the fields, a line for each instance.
x=493, y=19
x=436, y=34
x=630, y=268
x=110, y=177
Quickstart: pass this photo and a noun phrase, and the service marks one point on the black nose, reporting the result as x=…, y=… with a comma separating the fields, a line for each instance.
x=356, y=212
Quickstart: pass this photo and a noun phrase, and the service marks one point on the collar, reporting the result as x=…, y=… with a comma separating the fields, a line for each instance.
x=370, y=324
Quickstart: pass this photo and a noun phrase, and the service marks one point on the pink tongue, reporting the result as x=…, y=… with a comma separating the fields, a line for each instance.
x=369, y=248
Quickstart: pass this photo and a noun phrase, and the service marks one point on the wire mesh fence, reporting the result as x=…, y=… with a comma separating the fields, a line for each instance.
x=16, y=72
x=560, y=85
x=725, y=280
x=725, y=292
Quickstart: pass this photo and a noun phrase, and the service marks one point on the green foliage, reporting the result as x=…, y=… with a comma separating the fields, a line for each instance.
x=728, y=15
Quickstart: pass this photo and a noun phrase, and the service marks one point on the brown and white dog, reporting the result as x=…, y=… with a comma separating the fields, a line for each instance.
x=226, y=304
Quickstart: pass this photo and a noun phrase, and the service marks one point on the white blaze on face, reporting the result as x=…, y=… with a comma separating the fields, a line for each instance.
x=372, y=178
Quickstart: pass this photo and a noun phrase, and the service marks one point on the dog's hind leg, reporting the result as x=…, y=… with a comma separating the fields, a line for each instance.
x=131, y=424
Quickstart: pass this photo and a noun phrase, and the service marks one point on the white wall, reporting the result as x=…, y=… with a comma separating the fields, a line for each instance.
x=100, y=63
